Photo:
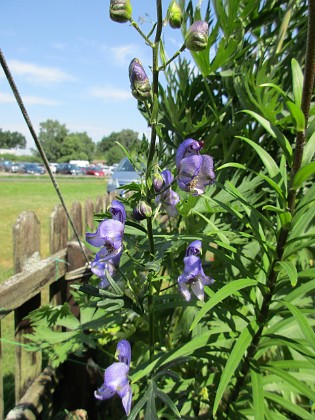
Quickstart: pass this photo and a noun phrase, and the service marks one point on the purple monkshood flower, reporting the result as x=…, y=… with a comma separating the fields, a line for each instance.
x=193, y=274
x=195, y=171
x=108, y=237
x=116, y=378
x=168, y=198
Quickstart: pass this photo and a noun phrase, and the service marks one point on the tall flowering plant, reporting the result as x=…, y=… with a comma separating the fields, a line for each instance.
x=203, y=271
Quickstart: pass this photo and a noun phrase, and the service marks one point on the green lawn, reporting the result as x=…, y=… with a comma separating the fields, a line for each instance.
x=37, y=194
x=21, y=193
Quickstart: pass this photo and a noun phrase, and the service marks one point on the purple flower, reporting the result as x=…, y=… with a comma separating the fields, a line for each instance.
x=195, y=171
x=108, y=237
x=193, y=274
x=99, y=265
x=116, y=378
x=168, y=198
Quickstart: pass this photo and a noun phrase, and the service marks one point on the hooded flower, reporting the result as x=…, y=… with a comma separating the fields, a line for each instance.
x=196, y=38
x=168, y=198
x=116, y=378
x=195, y=171
x=108, y=237
x=193, y=274
x=139, y=82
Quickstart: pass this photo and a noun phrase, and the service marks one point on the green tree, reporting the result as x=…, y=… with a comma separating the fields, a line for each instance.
x=51, y=136
x=110, y=150
x=12, y=140
x=77, y=146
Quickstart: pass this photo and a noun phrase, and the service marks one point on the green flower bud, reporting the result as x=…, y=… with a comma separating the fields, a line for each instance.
x=120, y=10
x=174, y=14
x=157, y=182
x=139, y=82
x=196, y=38
x=142, y=211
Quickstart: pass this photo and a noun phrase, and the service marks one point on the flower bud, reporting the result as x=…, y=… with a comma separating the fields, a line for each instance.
x=142, y=211
x=120, y=10
x=157, y=182
x=139, y=82
x=196, y=38
x=174, y=14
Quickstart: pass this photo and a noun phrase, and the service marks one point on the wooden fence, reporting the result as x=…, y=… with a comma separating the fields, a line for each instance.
x=34, y=278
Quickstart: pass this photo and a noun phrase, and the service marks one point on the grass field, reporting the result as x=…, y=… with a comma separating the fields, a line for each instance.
x=37, y=194
x=31, y=193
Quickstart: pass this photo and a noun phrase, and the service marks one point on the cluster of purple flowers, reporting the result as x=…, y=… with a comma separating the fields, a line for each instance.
x=108, y=237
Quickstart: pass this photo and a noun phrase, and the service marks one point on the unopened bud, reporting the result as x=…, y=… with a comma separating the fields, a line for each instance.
x=196, y=38
x=157, y=182
x=142, y=211
x=139, y=82
x=174, y=14
x=120, y=10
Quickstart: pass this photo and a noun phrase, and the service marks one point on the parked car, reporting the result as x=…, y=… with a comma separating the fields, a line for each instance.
x=122, y=175
x=69, y=169
x=4, y=164
x=95, y=170
x=12, y=167
x=31, y=168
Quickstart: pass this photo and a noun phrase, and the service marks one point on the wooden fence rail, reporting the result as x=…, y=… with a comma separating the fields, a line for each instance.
x=34, y=278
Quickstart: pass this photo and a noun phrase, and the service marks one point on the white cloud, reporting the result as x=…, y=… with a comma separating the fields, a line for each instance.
x=8, y=98
x=125, y=53
x=110, y=93
x=36, y=73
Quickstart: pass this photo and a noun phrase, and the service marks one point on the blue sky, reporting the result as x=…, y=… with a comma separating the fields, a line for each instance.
x=70, y=63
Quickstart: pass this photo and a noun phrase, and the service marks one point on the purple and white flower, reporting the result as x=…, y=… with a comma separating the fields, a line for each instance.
x=193, y=275
x=195, y=171
x=116, y=378
x=168, y=198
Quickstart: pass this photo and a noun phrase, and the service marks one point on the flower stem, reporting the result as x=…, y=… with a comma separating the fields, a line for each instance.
x=155, y=87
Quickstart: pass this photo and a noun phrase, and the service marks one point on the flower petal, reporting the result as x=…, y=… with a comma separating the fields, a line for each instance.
x=184, y=291
x=112, y=232
x=194, y=248
x=95, y=239
x=104, y=393
x=191, y=269
x=197, y=288
x=187, y=148
x=116, y=376
x=206, y=175
x=126, y=398
x=118, y=211
x=188, y=170
x=124, y=351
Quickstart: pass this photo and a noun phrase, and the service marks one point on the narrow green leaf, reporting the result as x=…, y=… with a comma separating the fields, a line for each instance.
x=297, y=116
x=291, y=271
x=167, y=401
x=232, y=165
x=258, y=394
x=297, y=79
x=303, y=174
x=276, y=134
x=303, y=323
x=114, y=285
x=223, y=293
x=298, y=385
x=134, y=413
x=309, y=150
x=240, y=347
x=288, y=405
x=267, y=160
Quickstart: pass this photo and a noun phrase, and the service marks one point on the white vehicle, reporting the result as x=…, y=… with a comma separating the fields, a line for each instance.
x=80, y=163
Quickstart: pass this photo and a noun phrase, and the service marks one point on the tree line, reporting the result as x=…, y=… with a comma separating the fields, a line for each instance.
x=62, y=145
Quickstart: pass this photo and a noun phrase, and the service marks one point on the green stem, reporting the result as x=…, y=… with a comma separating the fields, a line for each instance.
x=137, y=28
x=182, y=48
x=155, y=87
x=263, y=315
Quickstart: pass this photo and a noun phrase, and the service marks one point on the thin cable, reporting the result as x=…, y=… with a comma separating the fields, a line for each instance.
x=38, y=145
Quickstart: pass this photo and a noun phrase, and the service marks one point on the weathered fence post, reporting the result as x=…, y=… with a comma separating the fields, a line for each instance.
x=99, y=204
x=26, y=250
x=1, y=380
x=89, y=214
x=76, y=215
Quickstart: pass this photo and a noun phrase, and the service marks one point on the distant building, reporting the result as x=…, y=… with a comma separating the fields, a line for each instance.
x=15, y=152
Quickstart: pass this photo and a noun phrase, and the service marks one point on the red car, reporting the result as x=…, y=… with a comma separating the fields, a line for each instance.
x=95, y=170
